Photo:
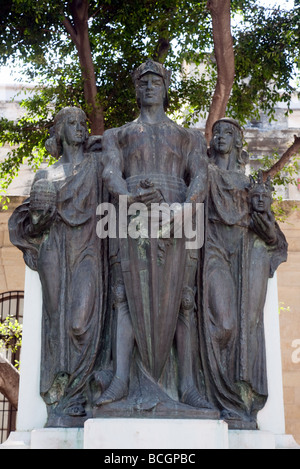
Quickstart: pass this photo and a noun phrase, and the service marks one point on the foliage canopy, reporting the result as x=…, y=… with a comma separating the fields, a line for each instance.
x=122, y=34
x=10, y=334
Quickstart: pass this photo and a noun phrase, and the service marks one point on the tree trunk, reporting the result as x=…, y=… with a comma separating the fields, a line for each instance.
x=224, y=54
x=9, y=381
x=163, y=44
x=79, y=33
x=162, y=49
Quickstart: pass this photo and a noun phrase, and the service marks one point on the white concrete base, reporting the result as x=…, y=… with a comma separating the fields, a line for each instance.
x=17, y=440
x=32, y=412
x=286, y=442
x=57, y=438
x=148, y=434
x=271, y=418
x=251, y=439
x=46, y=438
x=155, y=434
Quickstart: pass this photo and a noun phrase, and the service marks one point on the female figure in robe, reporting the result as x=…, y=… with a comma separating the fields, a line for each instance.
x=56, y=230
x=235, y=276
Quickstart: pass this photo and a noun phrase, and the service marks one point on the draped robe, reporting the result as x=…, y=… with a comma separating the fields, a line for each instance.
x=70, y=260
x=236, y=267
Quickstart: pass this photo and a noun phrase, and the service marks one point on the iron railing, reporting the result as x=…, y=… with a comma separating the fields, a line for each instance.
x=11, y=304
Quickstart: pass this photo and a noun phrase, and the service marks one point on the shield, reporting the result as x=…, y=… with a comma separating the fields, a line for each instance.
x=153, y=271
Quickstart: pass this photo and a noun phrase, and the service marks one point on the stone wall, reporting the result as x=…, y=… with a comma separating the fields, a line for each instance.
x=12, y=267
x=289, y=299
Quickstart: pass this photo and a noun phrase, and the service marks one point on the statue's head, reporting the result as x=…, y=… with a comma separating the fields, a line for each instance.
x=70, y=127
x=227, y=141
x=152, y=81
x=42, y=199
x=260, y=193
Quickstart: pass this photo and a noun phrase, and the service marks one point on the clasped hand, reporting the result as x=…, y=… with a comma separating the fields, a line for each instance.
x=41, y=220
x=263, y=225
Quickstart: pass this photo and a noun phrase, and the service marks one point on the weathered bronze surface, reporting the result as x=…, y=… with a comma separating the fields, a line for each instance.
x=139, y=325
x=243, y=247
x=154, y=160
x=55, y=228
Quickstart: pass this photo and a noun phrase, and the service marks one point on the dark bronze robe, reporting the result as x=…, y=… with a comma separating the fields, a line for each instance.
x=71, y=265
x=236, y=267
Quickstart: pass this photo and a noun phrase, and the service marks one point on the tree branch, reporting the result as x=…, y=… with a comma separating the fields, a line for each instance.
x=285, y=158
x=80, y=10
x=164, y=42
x=80, y=36
x=70, y=30
x=224, y=54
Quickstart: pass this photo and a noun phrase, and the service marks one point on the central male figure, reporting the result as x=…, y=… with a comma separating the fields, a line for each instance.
x=153, y=160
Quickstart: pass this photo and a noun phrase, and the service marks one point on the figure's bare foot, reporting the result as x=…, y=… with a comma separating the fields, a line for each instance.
x=115, y=392
x=102, y=379
x=193, y=398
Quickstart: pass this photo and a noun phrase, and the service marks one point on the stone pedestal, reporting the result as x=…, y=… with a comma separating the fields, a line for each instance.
x=155, y=434
x=251, y=439
x=148, y=434
x=271, y=417
x=32, y=411
x=57, y=438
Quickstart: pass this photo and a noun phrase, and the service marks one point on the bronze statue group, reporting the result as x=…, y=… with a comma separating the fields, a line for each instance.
x=143, y=326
